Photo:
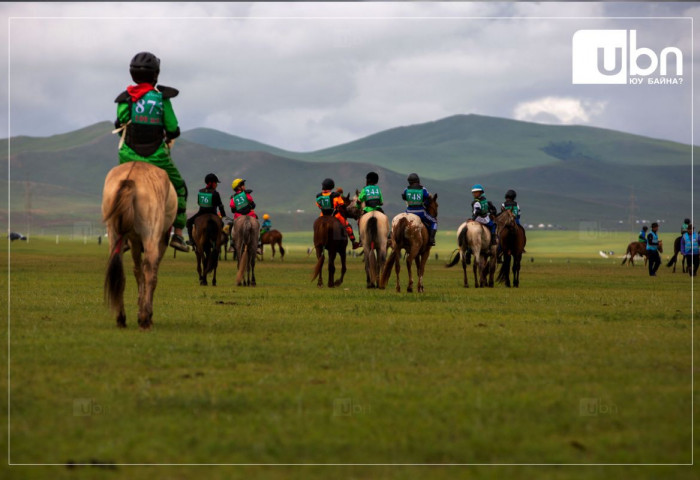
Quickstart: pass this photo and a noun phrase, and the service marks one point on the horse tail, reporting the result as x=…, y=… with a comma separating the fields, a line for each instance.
x=281, y=248
x=242, y=263
x=114, y=281
x=505, y=268
x=318, y=266
x=455, y=258
x=371, y=237
x=628, y=254
x=386, y=273
x=209, y=248
x=121, y=214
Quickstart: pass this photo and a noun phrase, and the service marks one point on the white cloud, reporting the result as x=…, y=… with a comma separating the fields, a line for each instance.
x=563, y=110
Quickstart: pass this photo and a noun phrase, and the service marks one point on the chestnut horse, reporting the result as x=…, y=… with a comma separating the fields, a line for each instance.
x=512, y=240
x=272, y=238
x=246, y=231
x=408, y=233
x=138, y=205
x=634, y=249
x=329, y=234
x=374, y=232
x=208, y=238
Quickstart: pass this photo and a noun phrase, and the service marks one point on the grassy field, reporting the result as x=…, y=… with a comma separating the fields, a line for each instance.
x=587, y=363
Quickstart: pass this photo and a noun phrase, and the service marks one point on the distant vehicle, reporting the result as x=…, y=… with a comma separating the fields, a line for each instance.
x=16, y=236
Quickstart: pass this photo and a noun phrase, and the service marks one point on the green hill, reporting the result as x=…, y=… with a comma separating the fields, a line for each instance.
x=583, y=177
x=470, y=145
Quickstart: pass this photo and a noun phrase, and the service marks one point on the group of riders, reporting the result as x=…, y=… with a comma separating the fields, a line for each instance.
x=148, y=127
x=689, y=247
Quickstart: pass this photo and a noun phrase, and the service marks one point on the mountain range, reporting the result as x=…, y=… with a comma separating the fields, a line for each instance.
x=571, y=176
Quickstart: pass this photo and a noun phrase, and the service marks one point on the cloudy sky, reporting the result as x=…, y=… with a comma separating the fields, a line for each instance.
x=304, y=76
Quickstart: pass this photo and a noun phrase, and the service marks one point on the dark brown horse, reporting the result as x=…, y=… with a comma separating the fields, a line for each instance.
x=329, y=235
x=138, y=205
x=676, y=250
x=246, y=231
x=408, y=233
x=272, y=238
x=208, y=238
x=512, y=241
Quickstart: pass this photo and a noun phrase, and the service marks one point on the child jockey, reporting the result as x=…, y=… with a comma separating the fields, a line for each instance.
x=371, y=195
x=332, y=203
x=480, y=210
x=208, y=200
x=512, y=205
x=266, y=225
x=241, y=201
x=417, y=197
x=643, y=235
x=148, y=124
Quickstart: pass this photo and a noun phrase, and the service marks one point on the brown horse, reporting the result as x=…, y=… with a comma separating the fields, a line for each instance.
x=634, y=249
x=208, y=238
x=246, y=231
x=408, y=233
x=329, y=234
x=272, y=238
x=676, y=250
x=512, y=240
x=138, y=205
x=374, y=232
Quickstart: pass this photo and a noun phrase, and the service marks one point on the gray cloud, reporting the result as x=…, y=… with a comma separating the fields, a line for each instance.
x=308, y=76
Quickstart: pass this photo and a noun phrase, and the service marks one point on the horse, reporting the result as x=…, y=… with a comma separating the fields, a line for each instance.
x=208, y=238
x=246, y=231
x=272, y=238
x=634, y=249
x=329, y=234
x=676, y=250
x=462, y=250
x=408, y=233
x=374, y=231
x=512, y=240
x=479, y=242
x=139, y=206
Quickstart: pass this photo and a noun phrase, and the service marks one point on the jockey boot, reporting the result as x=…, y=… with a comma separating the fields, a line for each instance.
x=431, y=237
x=178, y=243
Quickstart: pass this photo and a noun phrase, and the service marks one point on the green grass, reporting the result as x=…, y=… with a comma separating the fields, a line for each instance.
x=588, y=362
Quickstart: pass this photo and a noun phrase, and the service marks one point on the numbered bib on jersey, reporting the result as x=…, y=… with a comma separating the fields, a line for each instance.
x=148, y=110
x=324, y=201
x=373, y=193
x=205, y=199
x=414, y=197
x=240, y=200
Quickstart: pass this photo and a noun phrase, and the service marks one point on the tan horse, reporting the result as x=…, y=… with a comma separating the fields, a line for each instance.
x=408, y=233
x=138, y=205
x=208, y=237
x=479, y=241
x=374, y=232
x=246, y=231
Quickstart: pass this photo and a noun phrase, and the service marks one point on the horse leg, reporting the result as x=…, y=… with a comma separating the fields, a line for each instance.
x=320, y=259
x=397, y=268
x=516, y=270
x=420, y=267
x=331, y=268
x=475, y=268
x=409, y=262
x=252, y=271
x=149, y=275
x=464, y=268
x=343, y=267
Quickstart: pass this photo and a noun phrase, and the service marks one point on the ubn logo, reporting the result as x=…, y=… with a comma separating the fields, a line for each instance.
x=612, y=57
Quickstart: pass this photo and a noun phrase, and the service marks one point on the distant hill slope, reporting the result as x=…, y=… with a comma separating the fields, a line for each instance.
x=61, y=177
x=464, y=146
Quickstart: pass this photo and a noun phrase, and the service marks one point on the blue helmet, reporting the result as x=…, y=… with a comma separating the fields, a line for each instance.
x=477, y=188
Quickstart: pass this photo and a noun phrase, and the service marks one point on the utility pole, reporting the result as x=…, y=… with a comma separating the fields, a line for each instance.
x=28, y=206
x=632, y=209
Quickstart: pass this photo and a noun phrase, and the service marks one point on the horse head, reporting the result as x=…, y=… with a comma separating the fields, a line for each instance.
x=504, y=220
x=352, y=207
x=432, y=207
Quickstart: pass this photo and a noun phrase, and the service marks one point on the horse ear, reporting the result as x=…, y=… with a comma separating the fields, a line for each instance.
x=357, y=192
x=435, y=197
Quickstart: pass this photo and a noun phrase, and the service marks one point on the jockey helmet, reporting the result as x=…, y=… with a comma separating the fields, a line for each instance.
x=211, y=178
x=266, y=217
x=510, y=194
x=144, y=68
x=237, y=183
x=372, y=178
x=413, y=178
x=328, y=184
x=477, y=188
